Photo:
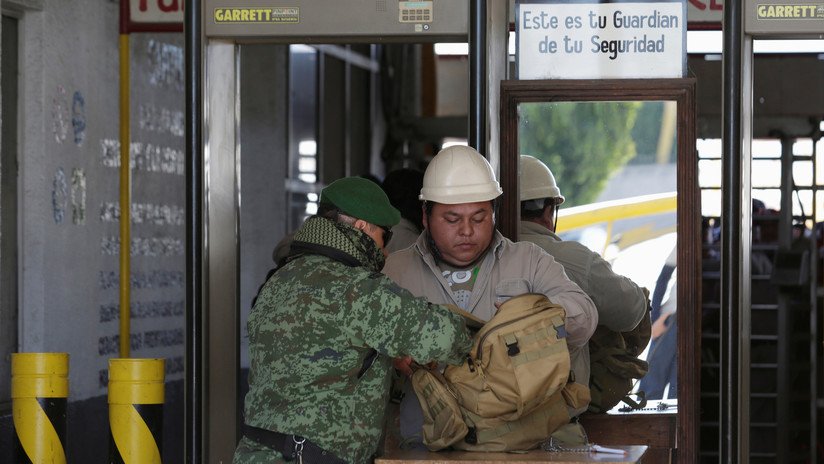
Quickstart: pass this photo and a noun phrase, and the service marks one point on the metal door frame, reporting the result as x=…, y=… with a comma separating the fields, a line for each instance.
x=212, y=221
x=741, y=26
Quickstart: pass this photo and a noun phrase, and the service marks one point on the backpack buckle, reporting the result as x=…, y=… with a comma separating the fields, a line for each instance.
x=511, y=345
x=512, y=350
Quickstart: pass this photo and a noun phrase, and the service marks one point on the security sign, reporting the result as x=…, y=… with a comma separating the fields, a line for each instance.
x=797, y=19
x=783, y=11
x=593, y=40
x=247, y=15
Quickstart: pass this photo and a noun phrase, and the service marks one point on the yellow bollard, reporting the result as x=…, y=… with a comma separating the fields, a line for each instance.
x=39, y=388
x=136, y=394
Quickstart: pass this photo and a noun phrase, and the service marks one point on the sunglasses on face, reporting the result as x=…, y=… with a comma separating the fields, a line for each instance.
x=387, y=234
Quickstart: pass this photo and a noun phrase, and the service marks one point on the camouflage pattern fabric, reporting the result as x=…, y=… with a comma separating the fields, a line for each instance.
x=314, y=326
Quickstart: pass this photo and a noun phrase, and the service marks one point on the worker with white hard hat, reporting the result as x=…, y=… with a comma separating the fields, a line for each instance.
x=461, y=259
x=621, y=303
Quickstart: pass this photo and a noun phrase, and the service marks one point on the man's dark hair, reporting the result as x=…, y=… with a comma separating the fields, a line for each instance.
x=403, y=186
x=372, y=177
x=533, y=209
x=328, y=211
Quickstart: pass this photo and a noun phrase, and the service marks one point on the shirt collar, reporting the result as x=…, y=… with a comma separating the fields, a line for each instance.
x=535, y=228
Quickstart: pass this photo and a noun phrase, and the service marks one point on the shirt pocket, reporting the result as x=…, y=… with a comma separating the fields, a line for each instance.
x=509, y=288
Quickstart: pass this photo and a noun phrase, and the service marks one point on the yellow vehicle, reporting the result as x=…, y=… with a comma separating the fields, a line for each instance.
x=635, y=234
x=626, y=222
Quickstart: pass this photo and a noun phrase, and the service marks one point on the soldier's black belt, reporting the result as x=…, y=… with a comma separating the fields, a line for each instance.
x=285, y=445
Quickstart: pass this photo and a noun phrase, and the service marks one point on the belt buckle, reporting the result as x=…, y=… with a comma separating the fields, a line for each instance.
x=298, y=447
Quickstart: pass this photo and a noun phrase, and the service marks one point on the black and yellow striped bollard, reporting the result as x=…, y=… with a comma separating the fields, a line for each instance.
x=39, y=388
x=136, y=410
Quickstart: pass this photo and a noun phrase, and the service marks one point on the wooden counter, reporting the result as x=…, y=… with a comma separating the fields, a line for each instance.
x=633, y=455
x=656, y=430
x=653, y=431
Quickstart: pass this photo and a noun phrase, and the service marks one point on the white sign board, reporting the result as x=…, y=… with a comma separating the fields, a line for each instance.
x=156, y=11
x=601, y=41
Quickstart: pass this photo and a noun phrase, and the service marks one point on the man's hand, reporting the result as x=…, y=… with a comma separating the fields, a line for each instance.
x=403, y=365
x=660, y=326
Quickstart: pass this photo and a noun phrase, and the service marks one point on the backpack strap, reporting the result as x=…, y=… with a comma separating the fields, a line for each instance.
x=556, y=406
x=442, y=421
x=544, y=352
x=640, y=404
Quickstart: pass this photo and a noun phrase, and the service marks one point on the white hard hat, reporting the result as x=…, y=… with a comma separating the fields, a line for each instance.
x=537, y=180
x=459, y=174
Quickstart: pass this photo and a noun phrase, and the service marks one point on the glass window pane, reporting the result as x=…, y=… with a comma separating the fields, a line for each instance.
x=803, y=147
x=709, y=173
x=766, y=173
x=711, y=203
x=803, y=203
x=819, y=206
x=708, y=148
x=803, y=173
x=615, y=163
x=770, y=197
x=766, y=148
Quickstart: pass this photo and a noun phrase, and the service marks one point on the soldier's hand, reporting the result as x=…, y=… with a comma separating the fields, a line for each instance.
x=403, y=365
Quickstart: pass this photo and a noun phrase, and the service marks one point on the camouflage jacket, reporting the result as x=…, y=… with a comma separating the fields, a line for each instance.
x=322, y=335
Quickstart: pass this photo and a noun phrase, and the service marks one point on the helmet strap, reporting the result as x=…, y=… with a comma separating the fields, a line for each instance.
x=556, y=206
x=433, y=248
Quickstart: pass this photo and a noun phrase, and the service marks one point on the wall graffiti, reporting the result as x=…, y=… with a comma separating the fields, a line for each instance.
x=145, y=213
x=60, y=115
x=111, y=344
x=143, y=310
x=143, y=157
x=150, y=339
x=153, y=246
x=79, y=118
x=166, y=65
x=63, y=194
x=78, y=196
x=156, y=279
x=60, y=195
x=161, y=120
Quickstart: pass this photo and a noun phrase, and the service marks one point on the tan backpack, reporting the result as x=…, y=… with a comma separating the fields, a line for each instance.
x=513, y=390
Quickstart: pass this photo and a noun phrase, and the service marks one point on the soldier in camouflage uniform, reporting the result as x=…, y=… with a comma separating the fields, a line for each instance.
x=323, y=332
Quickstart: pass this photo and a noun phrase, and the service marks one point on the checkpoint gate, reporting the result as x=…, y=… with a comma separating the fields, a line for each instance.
x=214, y=30
x=744, y=22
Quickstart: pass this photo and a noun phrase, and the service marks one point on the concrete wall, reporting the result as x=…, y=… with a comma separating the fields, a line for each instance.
x=70, y=188
x=69, y=211
x=68, y=208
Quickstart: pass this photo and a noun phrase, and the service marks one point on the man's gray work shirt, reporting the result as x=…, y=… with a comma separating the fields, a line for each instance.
x=508, y=269
x=621, y=304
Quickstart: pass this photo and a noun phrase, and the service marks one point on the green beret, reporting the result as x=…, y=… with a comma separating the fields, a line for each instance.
x=361, y=199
